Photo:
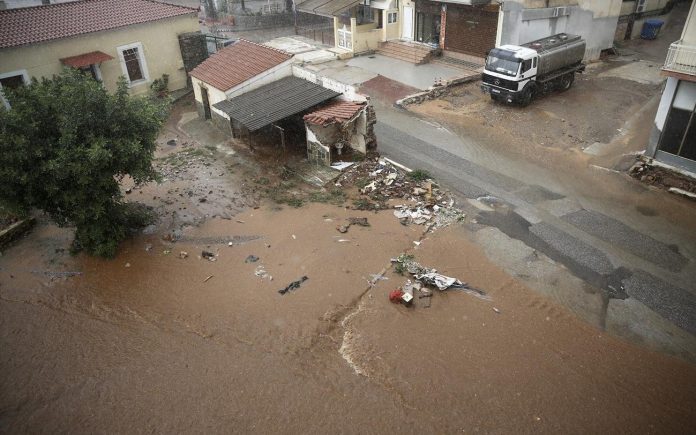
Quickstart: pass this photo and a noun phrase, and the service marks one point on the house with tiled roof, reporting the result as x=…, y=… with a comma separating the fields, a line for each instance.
x=138, y=39
x=238, y=68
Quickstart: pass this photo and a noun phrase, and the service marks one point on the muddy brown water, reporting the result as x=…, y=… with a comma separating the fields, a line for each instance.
x=155, y=347
x=152, y=342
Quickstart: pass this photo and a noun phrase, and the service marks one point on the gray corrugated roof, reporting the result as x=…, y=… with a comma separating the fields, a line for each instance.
x=275, y=101
x=327, y=8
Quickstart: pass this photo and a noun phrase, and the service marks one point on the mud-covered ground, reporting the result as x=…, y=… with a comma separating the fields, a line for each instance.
x=162, y=339
x=595, y=109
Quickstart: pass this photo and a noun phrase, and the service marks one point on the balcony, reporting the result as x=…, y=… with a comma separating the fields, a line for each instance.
x=681, y=59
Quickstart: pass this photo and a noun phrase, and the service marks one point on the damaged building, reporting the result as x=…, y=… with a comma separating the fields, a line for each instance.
x=256, y=94
x=337, y=128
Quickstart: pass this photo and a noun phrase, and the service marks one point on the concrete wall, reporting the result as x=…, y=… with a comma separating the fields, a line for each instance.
x=349, y=91
x=159, y=41
x=594, y=20
x=689, y=33
x=320, y=139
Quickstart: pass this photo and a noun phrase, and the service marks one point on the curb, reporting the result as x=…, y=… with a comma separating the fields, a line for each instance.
x=435, y=91
x=14, y=231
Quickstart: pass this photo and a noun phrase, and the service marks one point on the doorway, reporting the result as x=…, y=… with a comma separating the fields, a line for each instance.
x=428, y=28
x=206, y=102
x=407, y=23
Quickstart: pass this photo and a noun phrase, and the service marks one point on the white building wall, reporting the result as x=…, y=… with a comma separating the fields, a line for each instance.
x=594, y=20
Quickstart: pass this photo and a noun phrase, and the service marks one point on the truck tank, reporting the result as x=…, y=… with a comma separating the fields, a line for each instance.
x=557, y=52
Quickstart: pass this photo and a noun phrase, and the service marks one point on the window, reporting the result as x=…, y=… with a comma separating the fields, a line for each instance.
x=364, y=14
x=133, y=63
x=526, y=65
x=12, y=80
x=391, y=17
x=132, y=60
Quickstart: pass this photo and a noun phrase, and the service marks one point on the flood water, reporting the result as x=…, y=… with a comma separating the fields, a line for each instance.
x=160, y=341
x=150, y=342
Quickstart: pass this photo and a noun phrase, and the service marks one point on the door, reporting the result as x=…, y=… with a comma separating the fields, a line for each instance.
x=206, y=102
x=407, y=23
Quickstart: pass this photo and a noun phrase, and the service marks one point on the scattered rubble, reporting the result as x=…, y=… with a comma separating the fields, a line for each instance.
x=429, y=277
x=379, y=181
x=251, y=259
x=663, y=178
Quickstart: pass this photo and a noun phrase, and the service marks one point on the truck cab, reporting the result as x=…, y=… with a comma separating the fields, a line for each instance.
x=509, y=68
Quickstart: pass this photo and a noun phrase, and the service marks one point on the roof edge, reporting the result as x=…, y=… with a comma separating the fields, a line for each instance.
x=290, y=55
x=94, y=31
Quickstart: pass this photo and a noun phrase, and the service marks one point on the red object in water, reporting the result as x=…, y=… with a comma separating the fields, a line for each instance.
x=395, y=296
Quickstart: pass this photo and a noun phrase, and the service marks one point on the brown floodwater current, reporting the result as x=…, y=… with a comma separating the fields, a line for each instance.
x=151, y=342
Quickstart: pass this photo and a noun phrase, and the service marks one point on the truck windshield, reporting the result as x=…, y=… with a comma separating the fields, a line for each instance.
x=503, y=66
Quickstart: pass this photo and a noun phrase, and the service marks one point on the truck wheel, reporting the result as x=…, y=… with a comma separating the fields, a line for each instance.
x=526, y=96
x=567, y=81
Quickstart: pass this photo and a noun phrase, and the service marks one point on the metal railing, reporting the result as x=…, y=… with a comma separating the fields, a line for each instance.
x=681, y=58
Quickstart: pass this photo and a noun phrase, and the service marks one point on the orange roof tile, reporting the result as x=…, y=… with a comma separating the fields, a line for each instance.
x=338, y=111
x=238, y=63
x=30, y=25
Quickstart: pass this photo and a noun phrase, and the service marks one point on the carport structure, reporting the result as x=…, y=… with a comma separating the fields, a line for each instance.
x=272, y=103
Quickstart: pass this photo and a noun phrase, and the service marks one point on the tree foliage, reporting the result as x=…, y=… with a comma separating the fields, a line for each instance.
x=65, y=145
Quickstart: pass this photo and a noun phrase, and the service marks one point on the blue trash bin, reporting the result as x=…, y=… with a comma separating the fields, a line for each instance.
x=651, y=28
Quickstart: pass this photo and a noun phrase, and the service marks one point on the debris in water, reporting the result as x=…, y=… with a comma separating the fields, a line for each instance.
x=342, y=228
x=395, y=296
x=183, y=254
x=261, y=272
x=251, y=259
x=496, y=310
x=127, y=264
x=148, y=247
x=430, y=276
x=293, y=285
x=208, y=278
x=208, y=255
x=358, y=221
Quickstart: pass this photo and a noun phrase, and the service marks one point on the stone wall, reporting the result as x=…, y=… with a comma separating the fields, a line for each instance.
x=193, y=50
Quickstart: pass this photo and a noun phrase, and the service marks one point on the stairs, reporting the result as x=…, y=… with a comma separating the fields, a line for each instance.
x=408, y=51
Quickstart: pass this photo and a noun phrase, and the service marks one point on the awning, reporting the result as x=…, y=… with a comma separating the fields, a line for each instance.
x=275, y=101
x=327, y=8
x=86, y=59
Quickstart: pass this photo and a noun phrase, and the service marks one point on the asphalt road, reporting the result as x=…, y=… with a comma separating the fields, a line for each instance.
x=602, y=251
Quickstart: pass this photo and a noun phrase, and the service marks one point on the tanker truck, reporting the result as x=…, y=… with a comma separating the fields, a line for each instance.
x=517, y=74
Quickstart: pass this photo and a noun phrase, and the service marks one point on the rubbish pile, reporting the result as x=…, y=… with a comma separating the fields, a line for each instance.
x=425, y=277
x=379, y=181
x=664, y=178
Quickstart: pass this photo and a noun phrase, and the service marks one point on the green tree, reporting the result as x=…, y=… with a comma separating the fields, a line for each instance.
x=66, y=143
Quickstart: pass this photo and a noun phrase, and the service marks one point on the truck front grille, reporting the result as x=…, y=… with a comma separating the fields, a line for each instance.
x=501, y=83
